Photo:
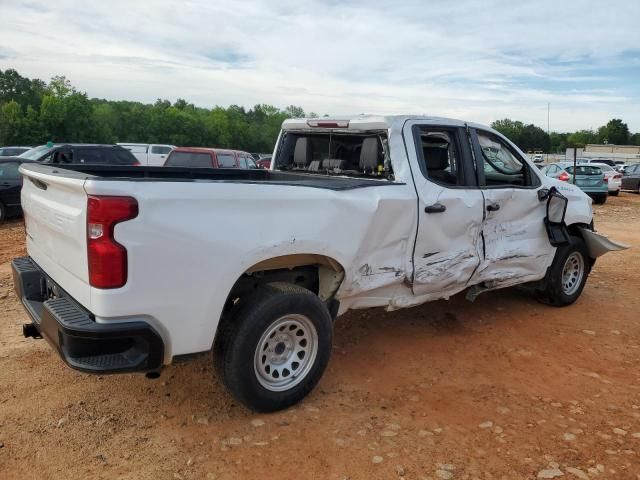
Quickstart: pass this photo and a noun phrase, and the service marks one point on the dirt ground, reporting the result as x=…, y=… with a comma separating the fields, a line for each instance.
x=503, y=388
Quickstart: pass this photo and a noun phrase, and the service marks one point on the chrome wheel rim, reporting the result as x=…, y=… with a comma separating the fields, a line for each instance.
x=286, y=352
x=572, y=273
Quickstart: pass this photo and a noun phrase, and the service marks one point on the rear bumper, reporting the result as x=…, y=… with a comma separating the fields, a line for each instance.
x=83, y=343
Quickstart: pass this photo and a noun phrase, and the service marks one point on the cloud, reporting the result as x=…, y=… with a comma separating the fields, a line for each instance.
x=474, y=60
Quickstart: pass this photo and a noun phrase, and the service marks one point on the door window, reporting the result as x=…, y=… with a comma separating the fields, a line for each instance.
x=91, y=157
x=501, y=165
x=160, y=150
x=226, y=160
x=439, y=156
x=189, y=159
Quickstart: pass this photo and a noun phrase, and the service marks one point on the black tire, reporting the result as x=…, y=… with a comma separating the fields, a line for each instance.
x=600, y=199
x=252, y=317
x=614, y=193
x=552, y=292
x=3, y=212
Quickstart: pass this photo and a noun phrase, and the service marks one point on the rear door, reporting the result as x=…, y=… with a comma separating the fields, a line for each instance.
x=515, y=244
x=631, y=178
x=10, y=184
x=450, y=209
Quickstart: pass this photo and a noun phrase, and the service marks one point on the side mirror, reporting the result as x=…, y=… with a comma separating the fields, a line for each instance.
x=554, y=221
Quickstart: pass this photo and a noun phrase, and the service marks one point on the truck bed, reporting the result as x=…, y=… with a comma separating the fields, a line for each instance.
x=226, y=175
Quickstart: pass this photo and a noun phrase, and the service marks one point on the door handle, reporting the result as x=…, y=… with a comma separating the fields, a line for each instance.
x=435, y=208
x=493, y=207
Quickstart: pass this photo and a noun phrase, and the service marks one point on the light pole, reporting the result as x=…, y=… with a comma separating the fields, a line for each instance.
x=548, y=132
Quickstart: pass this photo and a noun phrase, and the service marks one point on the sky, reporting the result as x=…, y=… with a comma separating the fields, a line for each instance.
x=477, y=60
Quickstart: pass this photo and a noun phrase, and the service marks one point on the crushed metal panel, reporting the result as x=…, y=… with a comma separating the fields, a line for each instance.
x=599, y=244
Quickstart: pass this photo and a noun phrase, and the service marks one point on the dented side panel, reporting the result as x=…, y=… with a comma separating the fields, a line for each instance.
x=516, y=245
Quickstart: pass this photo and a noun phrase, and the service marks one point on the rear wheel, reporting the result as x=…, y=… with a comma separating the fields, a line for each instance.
x=567, y=274
x=3, y=212
x=614, y=193
x=600, y=199
x=274, y=347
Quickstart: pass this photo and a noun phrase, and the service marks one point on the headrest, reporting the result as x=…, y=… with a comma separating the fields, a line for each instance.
x=436, y=158
x=370, y=154
x=302, y=152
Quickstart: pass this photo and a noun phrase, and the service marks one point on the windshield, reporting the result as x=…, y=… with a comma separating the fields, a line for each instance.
x=36, y=153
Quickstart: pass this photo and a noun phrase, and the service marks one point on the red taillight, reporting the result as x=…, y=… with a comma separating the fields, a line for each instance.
x=606, y=180
x=617, y=176
x=136, y=164
x=328, y=123
x=564, y=176
x=107, y=258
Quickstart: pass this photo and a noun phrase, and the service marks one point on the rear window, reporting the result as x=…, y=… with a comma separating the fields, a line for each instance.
x=226, y=160
x=189, y=159
x=335, y=153
x=11, y=152
x=585, y=170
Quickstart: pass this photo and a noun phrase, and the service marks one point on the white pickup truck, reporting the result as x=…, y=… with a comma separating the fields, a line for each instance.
x=149, y=154
x=132, y=267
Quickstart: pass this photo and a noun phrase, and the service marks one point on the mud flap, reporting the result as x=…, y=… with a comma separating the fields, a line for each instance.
x=599, y=244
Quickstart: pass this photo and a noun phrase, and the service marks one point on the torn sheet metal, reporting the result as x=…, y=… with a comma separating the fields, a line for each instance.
x=599, y=244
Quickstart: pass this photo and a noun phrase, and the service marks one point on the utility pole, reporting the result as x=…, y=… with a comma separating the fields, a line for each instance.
x=548, y=134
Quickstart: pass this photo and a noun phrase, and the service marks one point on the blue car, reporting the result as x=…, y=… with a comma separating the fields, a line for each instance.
x=589, y=178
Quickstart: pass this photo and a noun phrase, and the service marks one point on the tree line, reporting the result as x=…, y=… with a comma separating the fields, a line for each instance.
x=33, y=112
x=530, y=137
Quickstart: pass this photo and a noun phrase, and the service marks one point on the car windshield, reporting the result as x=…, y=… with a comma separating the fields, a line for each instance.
x=36, y=153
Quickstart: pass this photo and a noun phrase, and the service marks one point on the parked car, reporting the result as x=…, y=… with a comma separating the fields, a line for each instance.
x=631, y=178
x=209, y=158
x=605, y=161
x=12, y=151
x=10, y=186
x=370, y=211
x=620, y=164
x=81, y=153
x=150, y=154
x=264, y=162
x=612, y=177
x=589, y=178
x=260, y=156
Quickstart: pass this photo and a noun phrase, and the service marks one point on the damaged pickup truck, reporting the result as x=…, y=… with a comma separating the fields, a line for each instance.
x=130, y=268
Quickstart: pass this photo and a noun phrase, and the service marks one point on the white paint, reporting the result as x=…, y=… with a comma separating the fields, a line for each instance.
x=192, y=240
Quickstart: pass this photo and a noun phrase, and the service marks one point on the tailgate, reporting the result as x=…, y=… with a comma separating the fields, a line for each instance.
x=54, y=208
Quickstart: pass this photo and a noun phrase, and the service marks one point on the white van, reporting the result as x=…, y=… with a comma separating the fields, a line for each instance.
x=149, y=154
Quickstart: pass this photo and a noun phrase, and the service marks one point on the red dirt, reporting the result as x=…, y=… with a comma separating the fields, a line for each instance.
x=413, y=387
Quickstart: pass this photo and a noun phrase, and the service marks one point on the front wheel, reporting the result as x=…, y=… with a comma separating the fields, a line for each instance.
x=275, y=346
x=567, y=274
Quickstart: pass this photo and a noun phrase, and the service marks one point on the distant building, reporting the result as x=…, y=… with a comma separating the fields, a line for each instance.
x=614, y=152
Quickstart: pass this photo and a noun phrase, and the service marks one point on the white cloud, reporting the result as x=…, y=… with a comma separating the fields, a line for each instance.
x=479, y=60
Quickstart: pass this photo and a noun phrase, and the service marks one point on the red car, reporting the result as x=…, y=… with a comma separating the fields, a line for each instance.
x=264, y=163
x=209, y=158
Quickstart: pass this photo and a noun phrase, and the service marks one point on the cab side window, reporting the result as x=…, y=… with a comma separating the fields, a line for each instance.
x=501, y=165
x=439, y=156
